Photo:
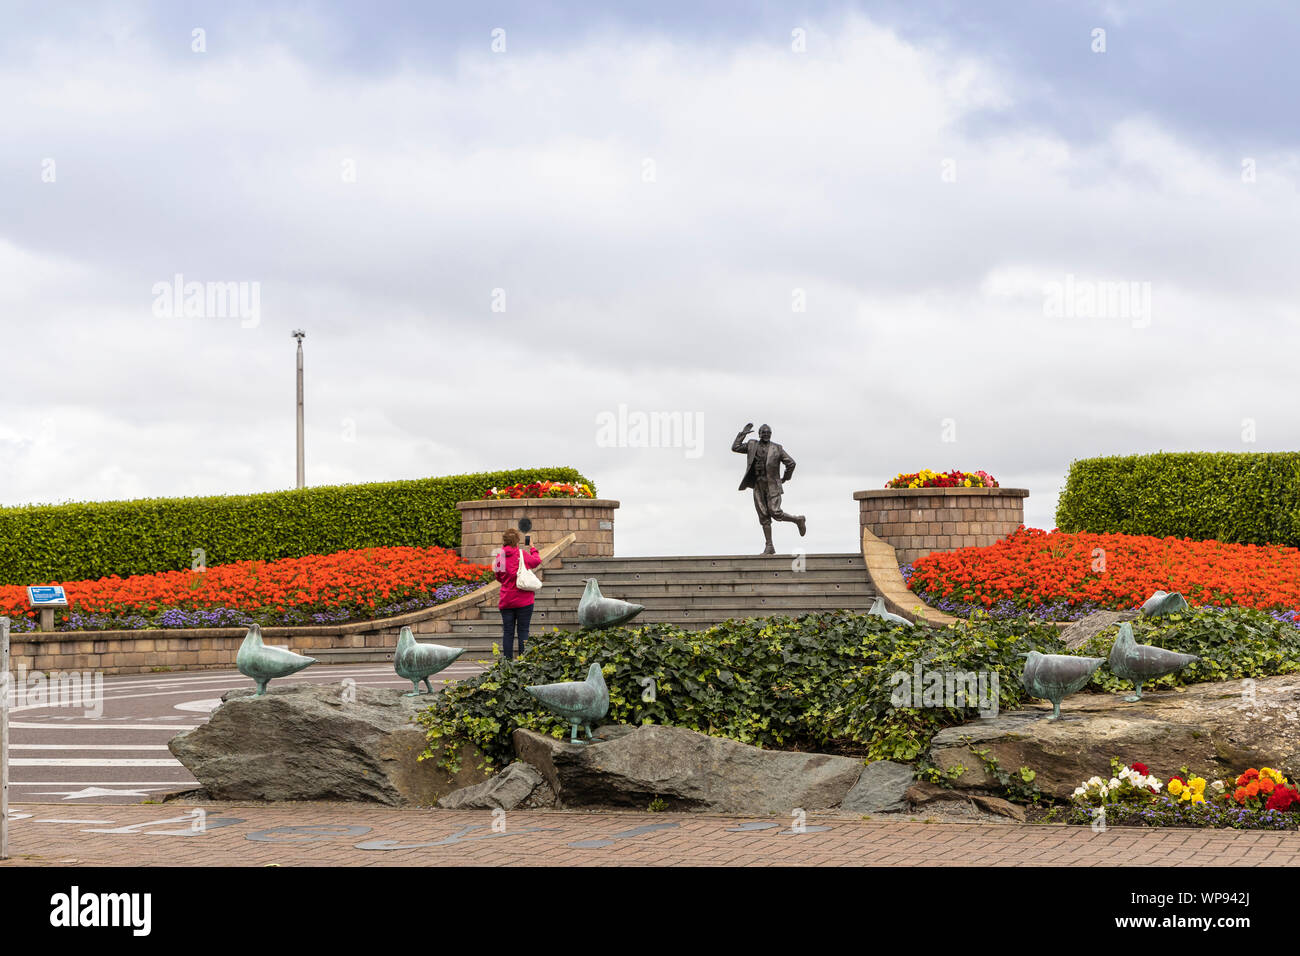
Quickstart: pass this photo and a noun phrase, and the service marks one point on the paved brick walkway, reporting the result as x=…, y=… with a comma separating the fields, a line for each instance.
x=340, y=835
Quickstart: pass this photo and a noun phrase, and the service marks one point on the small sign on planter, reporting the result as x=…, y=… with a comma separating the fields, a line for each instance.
x=46, y=595
x=45, y=598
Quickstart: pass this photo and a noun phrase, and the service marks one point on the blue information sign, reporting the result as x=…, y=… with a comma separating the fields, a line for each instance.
x=47, y=595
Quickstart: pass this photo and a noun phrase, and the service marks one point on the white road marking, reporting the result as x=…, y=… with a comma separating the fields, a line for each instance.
x=90, y=762
x=383, y=672
x=200, y=706
x=109, y=698
x=93, y=783
x=35, y=726
x=88, y=746
x=98, y=792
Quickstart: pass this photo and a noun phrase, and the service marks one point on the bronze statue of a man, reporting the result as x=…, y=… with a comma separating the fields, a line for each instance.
x=763, y=461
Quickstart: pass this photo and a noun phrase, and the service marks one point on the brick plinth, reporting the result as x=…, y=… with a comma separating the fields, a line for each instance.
x=917, y=521
x=589, y=520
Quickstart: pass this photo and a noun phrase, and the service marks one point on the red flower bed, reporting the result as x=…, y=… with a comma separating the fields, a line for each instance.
x=346, y=585
x=1112, y=570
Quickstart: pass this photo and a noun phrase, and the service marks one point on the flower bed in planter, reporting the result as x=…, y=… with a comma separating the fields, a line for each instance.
x=540, y=489
x=317, y=589
x=943, y=479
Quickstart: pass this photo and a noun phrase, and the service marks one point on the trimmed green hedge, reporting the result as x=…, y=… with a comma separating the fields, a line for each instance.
x=86, y=540
x=1248, y=498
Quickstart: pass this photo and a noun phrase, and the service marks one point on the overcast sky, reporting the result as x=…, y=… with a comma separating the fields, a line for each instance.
x=884, y=229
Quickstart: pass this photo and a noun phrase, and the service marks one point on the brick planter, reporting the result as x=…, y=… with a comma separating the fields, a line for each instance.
x=917, y=521
x=589, y=520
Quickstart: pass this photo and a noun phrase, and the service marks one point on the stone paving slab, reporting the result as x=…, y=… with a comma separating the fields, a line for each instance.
x=317, y=834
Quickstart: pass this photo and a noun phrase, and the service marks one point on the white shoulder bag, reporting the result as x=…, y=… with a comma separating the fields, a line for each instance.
x=525, y=580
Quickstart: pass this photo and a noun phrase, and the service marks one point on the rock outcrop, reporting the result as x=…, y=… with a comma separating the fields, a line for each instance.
x=517, y=786
x=1217, y=728
x=880, y=789
x=319, y=742
x=632, y=766
x=1079, y=633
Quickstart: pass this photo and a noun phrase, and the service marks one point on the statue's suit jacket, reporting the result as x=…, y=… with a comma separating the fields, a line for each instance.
x=776, y=457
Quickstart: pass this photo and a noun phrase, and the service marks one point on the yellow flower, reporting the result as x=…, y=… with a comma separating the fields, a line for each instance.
x=1175, y=787
x=1197, y=784
x=1198, y=798
x=967, y=482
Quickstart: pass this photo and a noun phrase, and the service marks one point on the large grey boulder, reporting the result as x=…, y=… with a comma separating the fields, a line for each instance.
x=319, y=742
x=518, y=785
x=687, y=770
x=1082, y=630
x=1213, y=728
x=880, y=788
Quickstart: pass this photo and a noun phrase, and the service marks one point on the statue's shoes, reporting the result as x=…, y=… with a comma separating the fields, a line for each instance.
x=801, y=524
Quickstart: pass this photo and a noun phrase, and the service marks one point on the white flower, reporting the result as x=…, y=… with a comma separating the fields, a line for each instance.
x=1114, y=783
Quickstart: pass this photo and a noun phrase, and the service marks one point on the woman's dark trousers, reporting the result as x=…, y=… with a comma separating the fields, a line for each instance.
x=513, y=618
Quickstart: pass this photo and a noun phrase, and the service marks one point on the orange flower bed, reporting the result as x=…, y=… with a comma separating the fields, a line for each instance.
x=330, y=588
x=1116, y=571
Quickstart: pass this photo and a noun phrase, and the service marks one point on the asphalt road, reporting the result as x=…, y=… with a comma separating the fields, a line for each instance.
x=68, y=754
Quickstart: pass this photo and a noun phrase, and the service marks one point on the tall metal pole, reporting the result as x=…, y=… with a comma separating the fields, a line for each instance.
x=299, y=334
x=6, y=691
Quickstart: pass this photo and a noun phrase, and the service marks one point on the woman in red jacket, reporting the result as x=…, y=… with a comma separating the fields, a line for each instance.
x=516, y=606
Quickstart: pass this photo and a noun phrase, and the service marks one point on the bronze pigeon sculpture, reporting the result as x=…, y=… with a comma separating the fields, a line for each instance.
x=1055, y=677
x=1162, y=602
x=264, y=663
x=596, y=611
x=877, y=609
x=580, y=701
x=418, y=662
x=1143, y=662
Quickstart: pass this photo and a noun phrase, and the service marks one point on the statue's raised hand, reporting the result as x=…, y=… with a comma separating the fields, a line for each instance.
x=747, y=429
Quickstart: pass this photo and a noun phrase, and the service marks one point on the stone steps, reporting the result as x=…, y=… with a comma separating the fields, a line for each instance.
x=557, y=584
x=489, y=628
x=564, y=592
x=730, y=563
x=769, y=603
x=763, y=579
x=690, y=592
